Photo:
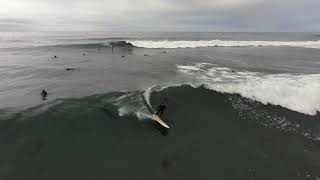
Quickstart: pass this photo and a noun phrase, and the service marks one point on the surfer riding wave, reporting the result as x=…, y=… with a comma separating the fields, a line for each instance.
x=161, y=108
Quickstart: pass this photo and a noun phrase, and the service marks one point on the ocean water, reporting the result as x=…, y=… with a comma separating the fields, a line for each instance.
x=239, y=105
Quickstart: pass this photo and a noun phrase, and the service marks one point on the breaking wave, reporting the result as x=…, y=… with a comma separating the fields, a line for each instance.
x=296, y=92
x=222, y=43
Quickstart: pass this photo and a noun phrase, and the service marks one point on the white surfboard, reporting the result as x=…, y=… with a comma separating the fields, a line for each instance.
x=157, y=118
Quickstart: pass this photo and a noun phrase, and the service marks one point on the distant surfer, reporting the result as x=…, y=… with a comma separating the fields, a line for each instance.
x=161, y=108
x=44, y=94
x=70, y=69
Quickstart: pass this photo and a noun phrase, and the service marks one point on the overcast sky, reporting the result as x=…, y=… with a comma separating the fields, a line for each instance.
x=160, y=15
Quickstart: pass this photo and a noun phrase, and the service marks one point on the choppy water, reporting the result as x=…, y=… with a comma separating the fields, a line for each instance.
x=240, y=106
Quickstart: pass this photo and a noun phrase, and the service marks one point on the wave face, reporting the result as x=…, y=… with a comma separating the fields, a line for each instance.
x=108, y=130
x=296, y=92
x=222, y=43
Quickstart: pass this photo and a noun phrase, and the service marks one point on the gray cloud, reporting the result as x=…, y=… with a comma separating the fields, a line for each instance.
x=160, y=15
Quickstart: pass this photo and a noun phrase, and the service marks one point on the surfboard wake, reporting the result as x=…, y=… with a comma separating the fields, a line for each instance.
x=151, y=110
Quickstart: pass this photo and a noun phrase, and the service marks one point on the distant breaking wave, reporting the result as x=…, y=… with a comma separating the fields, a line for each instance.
x=222, y=43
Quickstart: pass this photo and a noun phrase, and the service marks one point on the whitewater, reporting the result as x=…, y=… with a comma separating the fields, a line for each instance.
x=296, y=92
x=222, y=43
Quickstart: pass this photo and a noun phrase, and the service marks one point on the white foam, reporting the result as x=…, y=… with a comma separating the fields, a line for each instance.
x=296, y=92
x=190, y=68
x=142, y=116
x=222, y=43
x=129, y=103
x=124, y=111
x=147, y=94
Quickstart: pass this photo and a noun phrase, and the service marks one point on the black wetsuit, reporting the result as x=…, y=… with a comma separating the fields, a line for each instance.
x=161, y=109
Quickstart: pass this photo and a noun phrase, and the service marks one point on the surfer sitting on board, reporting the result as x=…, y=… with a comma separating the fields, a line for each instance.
x=161, y=109
x=44, y=94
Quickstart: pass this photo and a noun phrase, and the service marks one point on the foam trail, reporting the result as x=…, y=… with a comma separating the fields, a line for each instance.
x=130, y=103
x=147, y=94
x=222, y=43
x=296, y=92
x=142, y=116
x=135, y=103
